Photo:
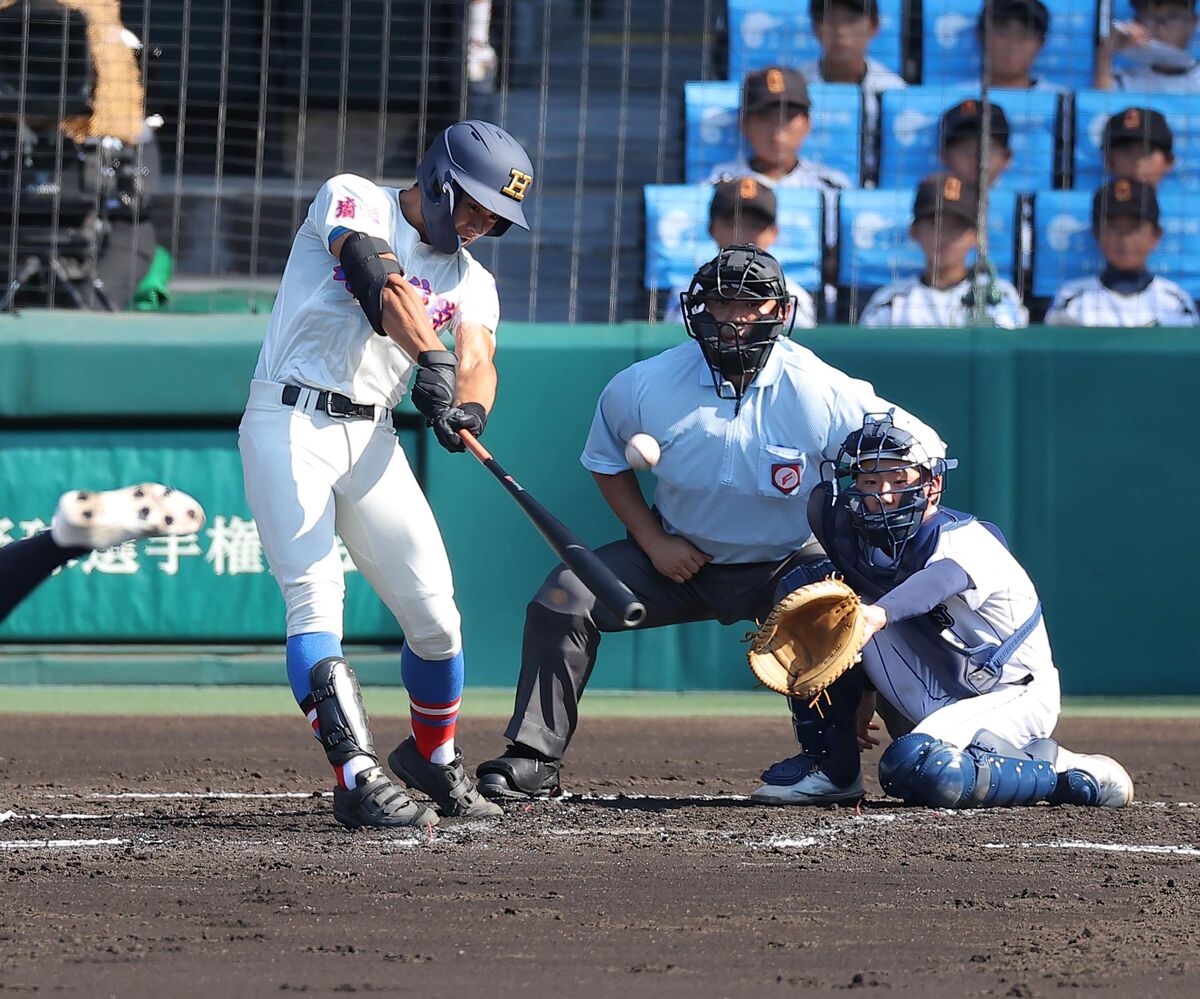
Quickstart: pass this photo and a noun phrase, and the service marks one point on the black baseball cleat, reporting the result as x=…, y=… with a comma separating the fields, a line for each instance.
x=447, y=784
x=519, y=775
x=377, y=803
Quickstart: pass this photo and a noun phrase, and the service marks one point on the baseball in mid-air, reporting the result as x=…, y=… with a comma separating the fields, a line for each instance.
x=642, y=451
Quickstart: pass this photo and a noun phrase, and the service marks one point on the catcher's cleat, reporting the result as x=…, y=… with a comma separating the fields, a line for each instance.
x=1099, y=782
x=447, y=784
x=377, y=803
x=514, y=776
x=100, y=520
x=797, y=781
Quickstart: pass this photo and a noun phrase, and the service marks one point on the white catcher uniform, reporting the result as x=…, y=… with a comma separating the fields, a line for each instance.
x=309, y=474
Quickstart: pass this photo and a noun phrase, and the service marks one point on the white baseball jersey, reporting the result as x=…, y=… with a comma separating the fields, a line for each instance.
x=734, y=479
x=911, y=671
x=318, y=335
x=1089, y=302
x=1145, y=80
x=911, y=302
x=806, y=309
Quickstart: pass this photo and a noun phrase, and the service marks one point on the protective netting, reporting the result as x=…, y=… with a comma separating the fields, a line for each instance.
x=161, y=153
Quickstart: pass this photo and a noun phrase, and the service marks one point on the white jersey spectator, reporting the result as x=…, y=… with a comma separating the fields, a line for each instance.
x=911, y=302
x=1148, y=80
x=1107, y=300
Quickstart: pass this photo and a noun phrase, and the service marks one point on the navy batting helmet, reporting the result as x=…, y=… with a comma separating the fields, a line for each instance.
x=481, y=161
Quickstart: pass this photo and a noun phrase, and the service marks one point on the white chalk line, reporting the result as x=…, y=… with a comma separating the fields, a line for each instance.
x=57, y=844
x=1070, y=844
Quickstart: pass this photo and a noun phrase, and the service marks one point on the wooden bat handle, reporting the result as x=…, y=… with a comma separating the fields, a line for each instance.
x=473, y=445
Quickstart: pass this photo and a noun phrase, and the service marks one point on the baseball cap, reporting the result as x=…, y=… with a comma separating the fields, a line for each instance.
x=1125, y=198
x=965, y=120
x=865, y=8
x=1032, y=13
x=743, y=196
x=1142, y=125
x=944, y=194
x=773, y=88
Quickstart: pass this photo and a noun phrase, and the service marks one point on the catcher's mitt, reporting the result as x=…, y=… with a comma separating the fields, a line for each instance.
x=810, y=638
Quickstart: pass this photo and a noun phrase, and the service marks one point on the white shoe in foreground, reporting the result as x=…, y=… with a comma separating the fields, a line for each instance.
x=812, y=789
x=100, y=520
x=1113, y=780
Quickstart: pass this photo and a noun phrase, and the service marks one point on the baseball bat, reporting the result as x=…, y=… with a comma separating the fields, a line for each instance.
x=576, y=556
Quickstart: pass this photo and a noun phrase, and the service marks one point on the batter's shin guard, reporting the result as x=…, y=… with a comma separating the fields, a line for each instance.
x=341, y=722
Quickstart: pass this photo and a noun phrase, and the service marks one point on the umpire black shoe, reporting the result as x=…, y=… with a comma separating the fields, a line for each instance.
x=447, y=784
x=519, y=774
x=376, y=803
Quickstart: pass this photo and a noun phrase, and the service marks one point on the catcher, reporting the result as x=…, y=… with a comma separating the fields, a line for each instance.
x=952, y=637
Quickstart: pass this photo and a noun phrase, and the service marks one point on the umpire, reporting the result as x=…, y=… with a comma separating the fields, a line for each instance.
x=744, y=417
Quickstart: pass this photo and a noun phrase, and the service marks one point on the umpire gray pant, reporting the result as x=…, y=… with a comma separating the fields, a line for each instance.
x=563, y=624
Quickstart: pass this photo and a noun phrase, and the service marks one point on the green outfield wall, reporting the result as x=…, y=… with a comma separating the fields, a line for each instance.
x=1078, y=443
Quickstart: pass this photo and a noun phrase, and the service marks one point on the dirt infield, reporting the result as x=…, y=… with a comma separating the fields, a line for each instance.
x=653, y=878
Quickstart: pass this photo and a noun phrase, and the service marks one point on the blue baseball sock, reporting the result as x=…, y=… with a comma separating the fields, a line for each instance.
x=303, y=653
x=434, y=694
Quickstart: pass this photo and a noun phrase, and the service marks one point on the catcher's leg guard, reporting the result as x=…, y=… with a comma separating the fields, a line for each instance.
x=1095, y=781
x=825, y=730
x=988, y=773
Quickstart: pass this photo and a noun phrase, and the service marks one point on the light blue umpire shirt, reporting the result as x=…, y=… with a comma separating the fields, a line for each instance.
x=736, y=484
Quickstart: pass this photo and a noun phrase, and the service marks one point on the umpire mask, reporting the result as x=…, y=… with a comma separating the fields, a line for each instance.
x=885, y=520
x=737, y=349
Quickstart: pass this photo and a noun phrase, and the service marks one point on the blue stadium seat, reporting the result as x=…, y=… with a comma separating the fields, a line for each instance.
x=951, y=53
x=779, y=32
x=909, y=134
x=677, y=240
x=711, y=113
x=1122, y=10
x=1092, y=111
x=1064, y=248
x=874, y=248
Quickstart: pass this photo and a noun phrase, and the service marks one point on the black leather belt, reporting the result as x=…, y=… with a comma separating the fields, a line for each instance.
x=338, y=406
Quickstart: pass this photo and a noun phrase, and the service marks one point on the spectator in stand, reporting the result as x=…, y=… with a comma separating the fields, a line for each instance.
x=1125, y=223
x=959, y=138
x=944, y=220
x=743, y=211
x=844, y=29
x=1018, y=32
x=775, y=122
x=1138, y=143
x=1158, y=38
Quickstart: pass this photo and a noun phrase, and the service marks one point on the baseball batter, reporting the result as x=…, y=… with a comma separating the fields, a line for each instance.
x=744, y=417
x=375, y=278
x=956, y=641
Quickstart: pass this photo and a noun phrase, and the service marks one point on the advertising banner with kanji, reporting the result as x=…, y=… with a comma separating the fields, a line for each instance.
x=211, y=586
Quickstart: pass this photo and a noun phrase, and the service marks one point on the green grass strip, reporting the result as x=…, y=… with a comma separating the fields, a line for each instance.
x=479, y=702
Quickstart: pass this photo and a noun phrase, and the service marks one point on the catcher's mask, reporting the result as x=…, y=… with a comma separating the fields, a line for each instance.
x=478, y=160
x=884, y=522
x=733, y=350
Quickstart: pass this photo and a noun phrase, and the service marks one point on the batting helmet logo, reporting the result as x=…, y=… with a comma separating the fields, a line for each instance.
x=517, y=185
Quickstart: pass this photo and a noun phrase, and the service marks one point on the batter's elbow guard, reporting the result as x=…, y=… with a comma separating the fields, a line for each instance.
x=367, y=273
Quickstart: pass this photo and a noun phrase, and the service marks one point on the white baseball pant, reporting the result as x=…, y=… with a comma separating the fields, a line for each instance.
x=309, y=475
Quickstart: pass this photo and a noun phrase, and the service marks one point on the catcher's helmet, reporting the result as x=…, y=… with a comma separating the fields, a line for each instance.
x=886, y=525
x=740, y=273
x=482, y=161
